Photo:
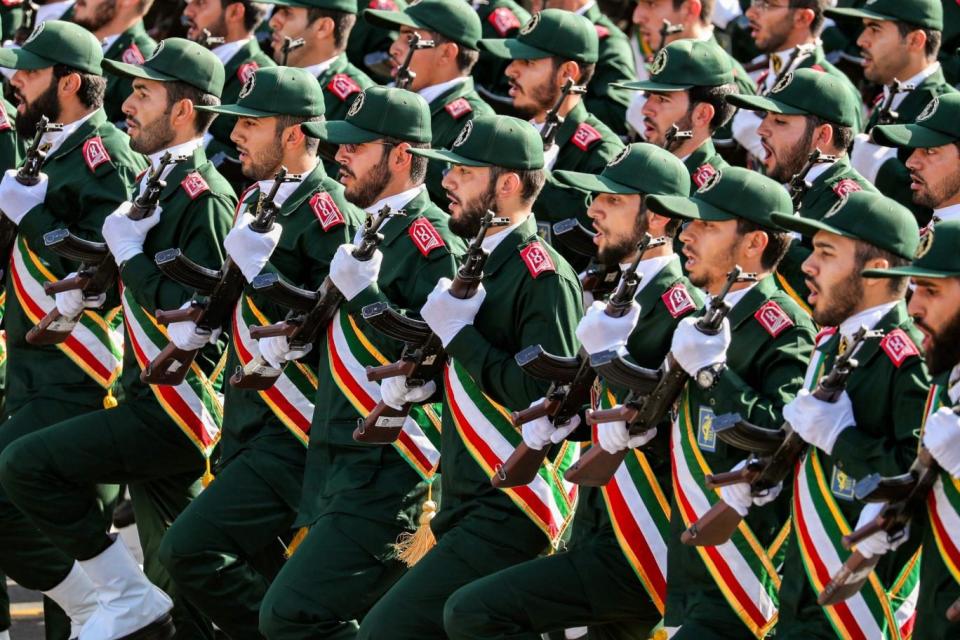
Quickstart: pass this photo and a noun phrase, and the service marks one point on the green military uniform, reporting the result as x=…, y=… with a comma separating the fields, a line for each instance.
x=341, y=83
x=888, y=392
x=368, y=47
x=593, y=583
x=480, y=529
x=49, y=474
x=500, y=19
x=132, y=46
x=771, y=343
x=615, y=64
x=357, y=498
x=11, y=17
x=223, y=550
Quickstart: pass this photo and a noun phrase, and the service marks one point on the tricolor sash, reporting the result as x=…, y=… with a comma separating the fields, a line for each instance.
x=943, y=505
x=290, y=397
x=195, y=404
x=95, y=345
x=3, y=334
x=640, y=514
x=350, y=353
x=491, y=438
x=741, y=567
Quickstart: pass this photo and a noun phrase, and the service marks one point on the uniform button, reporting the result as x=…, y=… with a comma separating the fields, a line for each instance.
x=713, y=402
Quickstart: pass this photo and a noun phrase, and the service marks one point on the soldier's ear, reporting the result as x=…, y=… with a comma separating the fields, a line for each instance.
x=567, y=69
x=703, y=114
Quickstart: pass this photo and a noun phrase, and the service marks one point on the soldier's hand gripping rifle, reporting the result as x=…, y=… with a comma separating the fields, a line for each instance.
x=310, y=311
x=769, y=463
x=906, y=498
x=570, y=381
x=98, y=270
x=799, y=185
x=553, y=120
x=218, y=293
x=289, y=44
x=886, y=114
x=643, y=409
x=405, y=76
x=423, y=356
x=28, y=175
x=597, y=279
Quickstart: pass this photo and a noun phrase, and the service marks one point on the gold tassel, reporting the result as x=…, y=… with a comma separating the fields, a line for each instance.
x=207, y=475
x=411, y=547
x=295, y=541
x=659, y=634
x=109, y=402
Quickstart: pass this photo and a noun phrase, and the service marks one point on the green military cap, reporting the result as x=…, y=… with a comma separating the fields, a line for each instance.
x=923, y=13
x=806, y=92
x=378, y=112
x=730, y=193
x=938, y=124
x=347, y=6
x=453, y=19
x=493, y=141
x=176, y=60
x=276, y=91
x=56, y=42
x=551, y=32
x=861, y=215
x=685, y=64
x=639, y=168
x=936, y=257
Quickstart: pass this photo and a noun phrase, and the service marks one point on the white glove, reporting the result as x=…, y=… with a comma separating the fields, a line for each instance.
x=185, y=336
x=941, y=437
x=277, y=352
x=879, y=543
x=599, y=332
x=614, y=437
x=351, y=275
x=395, y=392
x=867, y=157
x=447, y=315
x=819, y=423
x=550, y=156
x=71, y=304
x=541, y=432
x=694, y=350
x=125, y=237
x=739, y=497
x=249, y=249
x=17, y=199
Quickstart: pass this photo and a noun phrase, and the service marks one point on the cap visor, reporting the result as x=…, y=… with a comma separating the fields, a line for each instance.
x=913, y=136
x=760, y=103
x=859, y=13
x=135, y=71
x=592, y=182
x=650, y=85
x=315, y=129
x=687, y=208
x=21, y=59
x=912, y=272
x=237, y=110
x=343, y=132
x=512, y=49
x=805, y=226
x=390, y=20
x=444, y=155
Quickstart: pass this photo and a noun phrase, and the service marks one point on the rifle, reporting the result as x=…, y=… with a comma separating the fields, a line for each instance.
x=675, y=137
x=29, y=22
x=220, y=290
x=799, y=185
x=598, y=279
x=423, y=355
x=98, y=270
x=643, y=412
x=553, y=120
x=906, y=497
x=801, y=53
x=667, y=30
x=28, y=175
x=404, y=77
x=209, y=40
x=289, y=44
x=886, y=114
x=310, y=312
x=776, y=452
x=570, y=381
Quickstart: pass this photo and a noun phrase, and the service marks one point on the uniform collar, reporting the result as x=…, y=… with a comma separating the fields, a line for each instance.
x=183, y=149
x=56, y=138
x=434, y=91
x=819, y=169
x=868, y=318
x=649, y=269
x=316, y=70
x=107, y=42
x=700, y=155
x=520, y=234
x=286, y=189
x=227, y=50
x=734, y=297
x=947, y=213
x=397, y=201
x=493, y=240
x=916, y=81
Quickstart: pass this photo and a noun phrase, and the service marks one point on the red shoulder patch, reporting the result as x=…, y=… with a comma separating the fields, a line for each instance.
x=425, y=236
x=817, y=67
x=132, y=54
x=825, y=334
x=585, y=137
x=503, y=20
x=537, y=259
x=458, y=108
x=326, y=210
x=383, y=5
x=602, y=32
x=678, y=300
x=762, y=78
x=194, y=185
x=898, y=346
x=772, y=318
x=246, y=70
x=845, y=187
x=4, y=120
x=343, y=86
x=703, y=173
x=878, y=100
x=12, y=3
x=94, y=153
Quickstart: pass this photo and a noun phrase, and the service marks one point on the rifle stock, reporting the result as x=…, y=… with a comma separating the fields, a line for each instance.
x=714, y=527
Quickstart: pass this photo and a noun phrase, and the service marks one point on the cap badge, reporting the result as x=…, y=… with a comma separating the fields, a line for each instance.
x=659, y=63
x=929, y=110
x=248, y=85
x=357, y=104
x=36, y=32
x=464, y=134
x=620, y=157
x=835, y=209
x=156, y=52
x=711, y=181
x=783, y=82
x=531, y=24
x=926, y=242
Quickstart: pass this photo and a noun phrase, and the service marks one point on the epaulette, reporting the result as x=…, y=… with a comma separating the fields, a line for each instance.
x=773, y=318
x=425, y=236
x=4, y=120
x=845, y=187
x=678, y=301
x=817, y=67
x=585, y=137
x=503, y=20
x=343, y=86
x=537, y=259
x=194, y=185
x=602, y=32
x=94, y=153
x=246, y=70
x=458, y=108
x=326, y=210
x=898, y=346
x=383, y=5
x=132, y=54
x=703, y=174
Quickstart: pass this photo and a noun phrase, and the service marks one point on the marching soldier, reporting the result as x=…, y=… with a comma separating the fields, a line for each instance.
x=500, y=19
x=158, y=439
x=357, y=498
x=529, y=295
x=752, y=367
x=871, y=428
x=606, y=578
x=235, y=23
x=89, y=170
x=119, y=27
x=553, y=47
x=900, y=42
x=223, y=551
x=442, y=71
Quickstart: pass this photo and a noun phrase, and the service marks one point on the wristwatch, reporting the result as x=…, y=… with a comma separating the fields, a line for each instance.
x=708, y=377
